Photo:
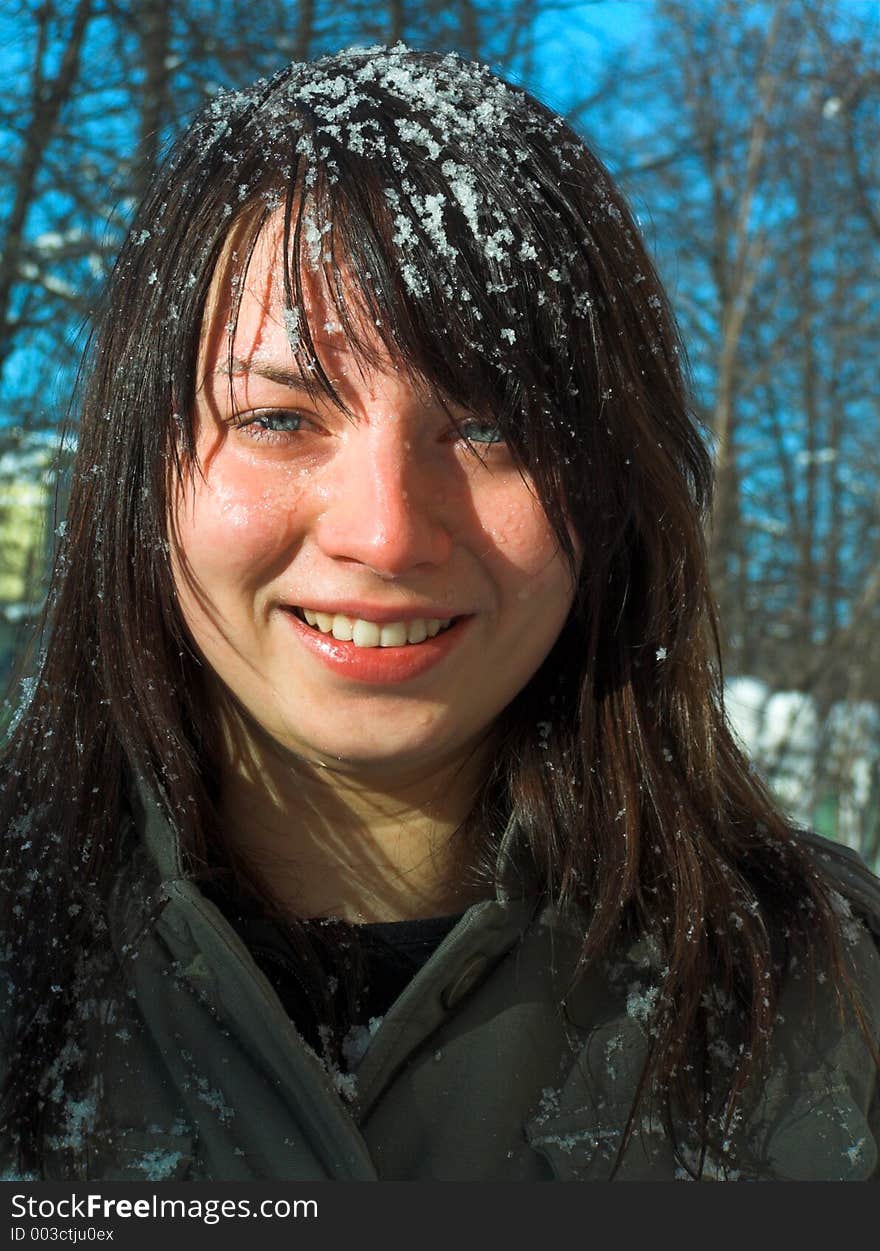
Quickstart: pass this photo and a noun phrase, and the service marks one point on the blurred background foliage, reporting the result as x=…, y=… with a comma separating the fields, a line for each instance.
x=745, y=133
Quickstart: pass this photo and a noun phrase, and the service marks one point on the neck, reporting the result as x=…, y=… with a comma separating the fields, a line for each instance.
x=364, y=844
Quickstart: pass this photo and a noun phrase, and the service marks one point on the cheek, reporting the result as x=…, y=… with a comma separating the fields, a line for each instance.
x=532, y=576
x=236, y=525
x=523, y=541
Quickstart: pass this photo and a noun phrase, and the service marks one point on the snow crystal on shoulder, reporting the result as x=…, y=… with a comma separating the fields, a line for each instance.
x=357, y=1041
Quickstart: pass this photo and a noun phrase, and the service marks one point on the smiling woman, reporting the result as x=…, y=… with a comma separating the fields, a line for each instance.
x=374, y=814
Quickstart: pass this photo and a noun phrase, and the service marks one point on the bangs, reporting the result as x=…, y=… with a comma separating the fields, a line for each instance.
x=348, y=242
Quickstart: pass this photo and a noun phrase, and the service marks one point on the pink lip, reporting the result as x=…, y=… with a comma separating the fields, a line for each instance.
x=378, y=665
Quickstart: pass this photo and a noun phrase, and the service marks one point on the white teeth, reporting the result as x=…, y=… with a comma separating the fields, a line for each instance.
x=341, y=628
x=365, y=634
x=417, y=631
x=393, y=635
x=370, y=633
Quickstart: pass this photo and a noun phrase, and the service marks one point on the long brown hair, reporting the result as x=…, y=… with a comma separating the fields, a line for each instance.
x=499, y=262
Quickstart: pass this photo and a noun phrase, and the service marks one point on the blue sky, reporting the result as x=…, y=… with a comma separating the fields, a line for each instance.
x=579, y=38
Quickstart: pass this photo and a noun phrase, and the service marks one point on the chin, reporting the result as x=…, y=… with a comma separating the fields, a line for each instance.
x=350, y=744
x=346, y=750
x=346, y=755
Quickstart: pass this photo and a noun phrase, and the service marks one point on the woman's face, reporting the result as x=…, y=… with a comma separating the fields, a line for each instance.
x=312, y=535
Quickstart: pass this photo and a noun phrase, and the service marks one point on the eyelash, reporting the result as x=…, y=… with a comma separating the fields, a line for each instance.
x=254, y=430
x=484, y=425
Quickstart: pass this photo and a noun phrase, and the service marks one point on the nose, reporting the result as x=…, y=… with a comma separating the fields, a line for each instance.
x=385, y=510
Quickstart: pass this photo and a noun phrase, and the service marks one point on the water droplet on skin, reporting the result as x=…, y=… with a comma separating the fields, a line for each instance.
x=236, y=514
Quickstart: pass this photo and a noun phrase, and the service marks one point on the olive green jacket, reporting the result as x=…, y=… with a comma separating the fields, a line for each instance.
x=474, y=1074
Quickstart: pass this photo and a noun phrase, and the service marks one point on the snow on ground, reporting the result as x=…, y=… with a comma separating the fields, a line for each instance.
x=823, y=767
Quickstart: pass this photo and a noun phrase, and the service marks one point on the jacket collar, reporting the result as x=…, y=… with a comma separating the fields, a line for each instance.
x=160, y=837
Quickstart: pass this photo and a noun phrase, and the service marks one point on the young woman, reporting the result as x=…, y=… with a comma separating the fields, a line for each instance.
x=372, y=813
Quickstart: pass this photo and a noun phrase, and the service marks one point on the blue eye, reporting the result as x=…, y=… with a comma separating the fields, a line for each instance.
x=271, y=425
x=276, y=421
x=476, y=431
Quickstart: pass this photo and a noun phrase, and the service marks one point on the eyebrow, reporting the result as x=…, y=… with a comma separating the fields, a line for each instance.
x=274, y=372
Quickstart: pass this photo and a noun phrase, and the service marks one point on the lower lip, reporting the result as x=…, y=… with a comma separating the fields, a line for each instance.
x=379, y=665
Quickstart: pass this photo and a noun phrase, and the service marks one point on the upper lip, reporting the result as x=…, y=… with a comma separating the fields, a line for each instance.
x=382, y=614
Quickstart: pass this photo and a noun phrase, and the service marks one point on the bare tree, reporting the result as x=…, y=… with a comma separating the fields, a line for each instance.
x=49, y=91
x=760, y=172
